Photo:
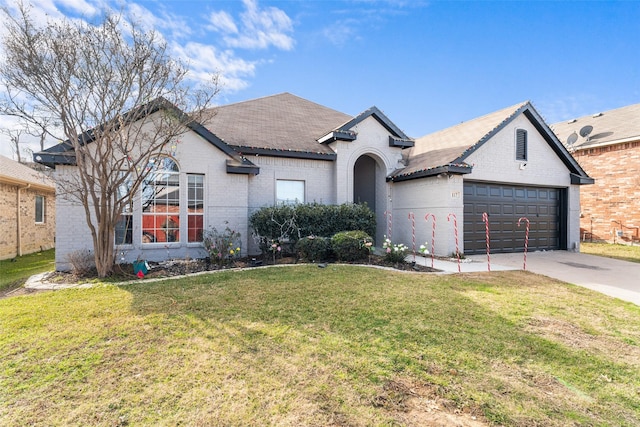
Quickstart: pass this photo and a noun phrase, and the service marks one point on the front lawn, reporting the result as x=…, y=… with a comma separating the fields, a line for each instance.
x=342, y=345
x=617, y=251
x=14, y=273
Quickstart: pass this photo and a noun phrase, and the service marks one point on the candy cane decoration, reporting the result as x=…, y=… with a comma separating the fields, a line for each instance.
x=412, y=217
x=526, y=241
x=455, y=230
x=485, y=218
x=433, y=234
x=389, y=223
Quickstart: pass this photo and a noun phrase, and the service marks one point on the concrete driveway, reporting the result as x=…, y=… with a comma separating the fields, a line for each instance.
x=619, y=279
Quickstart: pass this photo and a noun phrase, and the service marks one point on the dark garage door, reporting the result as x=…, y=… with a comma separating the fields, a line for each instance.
x=505, y=204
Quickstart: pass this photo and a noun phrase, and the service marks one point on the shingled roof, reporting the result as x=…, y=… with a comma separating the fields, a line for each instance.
x=445, y=151
x=14, y=173
x=278, y=123
x=608, y=128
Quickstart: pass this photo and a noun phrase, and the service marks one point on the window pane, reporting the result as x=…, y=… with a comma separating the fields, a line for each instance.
x=289, y=192
x=124, y=230
x=161, y=202
x=195, y=208
x=39, y=208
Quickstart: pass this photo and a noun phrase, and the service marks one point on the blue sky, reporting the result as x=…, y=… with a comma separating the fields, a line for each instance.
x=427, y=64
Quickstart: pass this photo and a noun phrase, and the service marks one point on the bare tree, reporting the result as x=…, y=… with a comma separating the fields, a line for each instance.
x=116, y=95
x=15, y=138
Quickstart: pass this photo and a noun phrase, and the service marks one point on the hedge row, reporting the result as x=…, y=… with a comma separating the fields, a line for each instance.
x=289, y=223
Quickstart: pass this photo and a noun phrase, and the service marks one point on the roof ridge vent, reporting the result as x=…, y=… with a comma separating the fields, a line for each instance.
x=572, y=121
x=597, y=115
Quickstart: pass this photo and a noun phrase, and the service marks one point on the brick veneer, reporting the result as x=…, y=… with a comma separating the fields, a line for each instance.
x=612, y=203
x=34, y=237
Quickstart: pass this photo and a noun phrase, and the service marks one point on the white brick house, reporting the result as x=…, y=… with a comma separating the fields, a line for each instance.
x=259, y=152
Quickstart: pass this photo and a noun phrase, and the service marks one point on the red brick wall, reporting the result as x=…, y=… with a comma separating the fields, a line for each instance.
x=613, y=202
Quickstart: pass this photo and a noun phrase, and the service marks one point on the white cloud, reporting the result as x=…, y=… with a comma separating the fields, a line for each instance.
x=82, y=7
x=204, y=61
x=341, y=33
x=223, y=22
x=560, y=108
x=261, y=28
x=254, y=28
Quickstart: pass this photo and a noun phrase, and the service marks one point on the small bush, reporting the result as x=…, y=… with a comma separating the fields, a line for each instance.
x=350, y=245
x=394, y=253
x=82, y=262
x=314, y=248
x=223, y=246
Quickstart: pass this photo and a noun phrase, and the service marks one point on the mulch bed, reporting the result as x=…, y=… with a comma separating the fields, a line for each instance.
x=171, y=268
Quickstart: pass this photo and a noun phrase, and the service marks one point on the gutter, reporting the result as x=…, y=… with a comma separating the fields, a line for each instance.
x=18, y=221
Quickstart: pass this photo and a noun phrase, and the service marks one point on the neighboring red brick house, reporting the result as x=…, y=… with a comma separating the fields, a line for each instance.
x=607, y=146
x=27, y=210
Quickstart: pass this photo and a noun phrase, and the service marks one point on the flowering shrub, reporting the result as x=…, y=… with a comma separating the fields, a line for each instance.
x=275, y=249
x=222, y=247
x=394, y=253
x=424, y=249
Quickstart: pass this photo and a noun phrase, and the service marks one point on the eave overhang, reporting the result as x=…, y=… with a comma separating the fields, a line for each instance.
x=242, y=167
x=23, y=183
x=338, y=135
x=453, y=169
x=53, y=159
x=246, y=151
x=400, y=142
x=581, y=179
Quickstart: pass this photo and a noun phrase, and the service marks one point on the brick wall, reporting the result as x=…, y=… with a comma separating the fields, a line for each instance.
x=34, y=237
x=613, y=199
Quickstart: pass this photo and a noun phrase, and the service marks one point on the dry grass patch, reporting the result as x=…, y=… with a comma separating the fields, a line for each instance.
x=616, y=251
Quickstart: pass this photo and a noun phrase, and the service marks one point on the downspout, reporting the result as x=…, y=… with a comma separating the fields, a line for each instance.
x=19, y=240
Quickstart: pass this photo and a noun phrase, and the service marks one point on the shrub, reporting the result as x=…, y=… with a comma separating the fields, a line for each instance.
x=82, y=262
x=350, y=245
x=222, y=247
x=288, y=223
x=314, y=248
x=394, y=253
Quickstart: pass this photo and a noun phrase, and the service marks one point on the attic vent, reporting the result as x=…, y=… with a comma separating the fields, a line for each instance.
x=521, y=144
x=572, y=121
x=597, y=115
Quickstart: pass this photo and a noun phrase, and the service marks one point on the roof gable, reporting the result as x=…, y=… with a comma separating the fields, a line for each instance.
x=63, y=153
x=345, y=132
x=447, y=150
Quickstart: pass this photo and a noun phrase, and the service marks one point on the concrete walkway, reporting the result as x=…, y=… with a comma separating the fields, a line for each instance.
x=619, y=279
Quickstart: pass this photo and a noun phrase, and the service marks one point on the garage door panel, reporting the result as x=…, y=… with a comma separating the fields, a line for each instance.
x=505, y=205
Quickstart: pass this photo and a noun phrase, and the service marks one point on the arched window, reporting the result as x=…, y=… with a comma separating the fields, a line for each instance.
x=161, y=202
x=521, y=144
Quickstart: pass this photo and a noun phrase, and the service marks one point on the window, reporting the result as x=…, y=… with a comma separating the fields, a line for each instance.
x=39, y=209
x=521, y=144
x=195, y=207
x=161, y=202
x=124, y=226
x=289, y=192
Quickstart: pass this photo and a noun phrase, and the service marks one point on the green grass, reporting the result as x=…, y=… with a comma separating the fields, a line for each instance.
x=617, y=251
x=15, y=273
x=344, y=345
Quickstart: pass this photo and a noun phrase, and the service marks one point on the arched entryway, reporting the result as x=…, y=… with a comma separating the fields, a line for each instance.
x=364, y=181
